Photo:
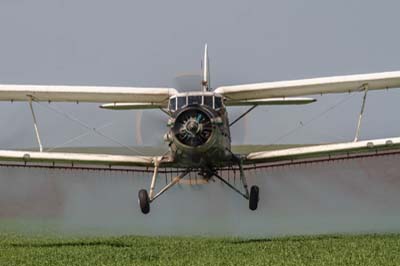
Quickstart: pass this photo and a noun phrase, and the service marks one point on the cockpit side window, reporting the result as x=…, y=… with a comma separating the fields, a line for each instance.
x=218, y=102
x=195, y=99
x=208, y=101
x=172, y=104
x=181, y=101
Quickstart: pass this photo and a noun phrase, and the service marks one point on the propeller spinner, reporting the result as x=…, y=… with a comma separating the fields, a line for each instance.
x=192, y=127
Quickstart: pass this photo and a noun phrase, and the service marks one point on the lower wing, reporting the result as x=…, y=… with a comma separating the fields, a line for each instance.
x=282, y=156
x=78, y=160
x=324, y=152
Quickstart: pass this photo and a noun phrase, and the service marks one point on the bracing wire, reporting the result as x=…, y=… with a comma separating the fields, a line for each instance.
x=85, y=125
x=306, y=123
x=78, y=137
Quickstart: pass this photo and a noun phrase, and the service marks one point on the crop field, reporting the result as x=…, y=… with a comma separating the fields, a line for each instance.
x=18, y=249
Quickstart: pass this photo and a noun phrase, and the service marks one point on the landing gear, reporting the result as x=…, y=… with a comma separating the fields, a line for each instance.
x=253, y=199
x=252, y=196
x=144, y=201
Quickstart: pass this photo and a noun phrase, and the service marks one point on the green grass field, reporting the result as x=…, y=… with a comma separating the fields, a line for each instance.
x=16, y=249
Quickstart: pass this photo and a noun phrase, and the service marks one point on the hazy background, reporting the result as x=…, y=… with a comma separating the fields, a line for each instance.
x=149, y=43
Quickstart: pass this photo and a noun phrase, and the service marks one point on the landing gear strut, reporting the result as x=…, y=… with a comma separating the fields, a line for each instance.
x=252, y=196
x=145, y=199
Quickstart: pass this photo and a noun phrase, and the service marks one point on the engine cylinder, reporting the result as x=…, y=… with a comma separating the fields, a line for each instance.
x=193, y=126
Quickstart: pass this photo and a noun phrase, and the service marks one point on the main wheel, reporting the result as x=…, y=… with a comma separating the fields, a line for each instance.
x=253, y=200
x=144, y=201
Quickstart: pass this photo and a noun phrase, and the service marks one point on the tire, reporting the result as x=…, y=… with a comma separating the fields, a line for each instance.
x=144, y=201
x=253, y=200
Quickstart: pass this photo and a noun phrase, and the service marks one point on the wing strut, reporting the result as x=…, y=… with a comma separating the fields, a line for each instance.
x=243, y=115
x=365, y=87
x=155, y=175
x=151, y=196
x=35, y=125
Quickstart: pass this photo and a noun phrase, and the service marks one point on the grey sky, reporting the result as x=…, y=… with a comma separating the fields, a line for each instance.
x=148, y=43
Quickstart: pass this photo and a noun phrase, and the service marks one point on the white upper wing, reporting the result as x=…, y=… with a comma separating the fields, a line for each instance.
x=85, y=94
x=338, y=84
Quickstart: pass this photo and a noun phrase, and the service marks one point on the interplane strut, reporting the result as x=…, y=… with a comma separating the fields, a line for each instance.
x=365, y=87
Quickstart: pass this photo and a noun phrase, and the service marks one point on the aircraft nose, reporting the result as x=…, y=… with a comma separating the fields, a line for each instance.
x=193, y=127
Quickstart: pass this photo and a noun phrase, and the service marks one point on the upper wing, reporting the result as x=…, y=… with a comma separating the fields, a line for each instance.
x=347, y=149
x=338, y=84
x=85, y=94
x=81, y=158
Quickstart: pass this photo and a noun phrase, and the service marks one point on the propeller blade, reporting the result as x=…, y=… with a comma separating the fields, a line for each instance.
x=188, y=82
x=151, y=125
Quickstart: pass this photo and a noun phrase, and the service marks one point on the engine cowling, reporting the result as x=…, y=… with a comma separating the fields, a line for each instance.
x=193, y=126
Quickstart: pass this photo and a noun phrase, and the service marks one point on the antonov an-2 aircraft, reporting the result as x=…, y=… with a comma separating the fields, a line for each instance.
x=198, y=134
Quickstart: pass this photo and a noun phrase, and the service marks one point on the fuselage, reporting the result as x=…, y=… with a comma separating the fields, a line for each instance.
x=198, y=134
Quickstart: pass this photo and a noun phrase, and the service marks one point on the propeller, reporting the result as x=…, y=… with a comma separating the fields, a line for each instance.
x=188, y=82
x=151, y=124
x=193, y=127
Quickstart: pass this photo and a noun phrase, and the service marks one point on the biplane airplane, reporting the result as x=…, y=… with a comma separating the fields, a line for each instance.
x=198, y=129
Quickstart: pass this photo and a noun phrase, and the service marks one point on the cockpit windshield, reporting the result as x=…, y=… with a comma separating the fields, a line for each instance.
x=172, y=104
x=208, y=101
x=179, y=102
x=217, y=102
x=195, y=99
